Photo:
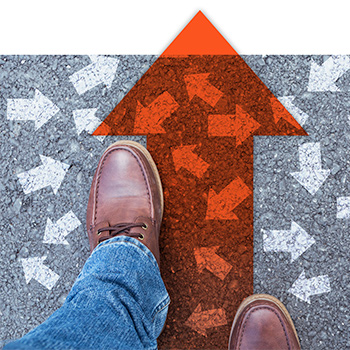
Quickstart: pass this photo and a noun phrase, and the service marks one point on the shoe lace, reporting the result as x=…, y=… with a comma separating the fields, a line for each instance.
x=122, y=228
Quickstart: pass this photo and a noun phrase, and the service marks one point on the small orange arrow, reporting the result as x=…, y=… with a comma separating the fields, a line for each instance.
x=220, y=205
x=148, y=120
x=200, y=320
x=197, y=84
x=280, y=112
x=240, y=125
x=184, y=157
x=207, y=258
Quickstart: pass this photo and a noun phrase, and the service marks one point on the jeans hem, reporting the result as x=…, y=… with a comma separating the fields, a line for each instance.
x=132, y=241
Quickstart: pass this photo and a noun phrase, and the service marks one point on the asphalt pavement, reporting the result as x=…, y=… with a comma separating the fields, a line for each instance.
x=301, y=186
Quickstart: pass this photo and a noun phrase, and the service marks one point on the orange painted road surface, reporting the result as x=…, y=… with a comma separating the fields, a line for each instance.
x=200, y=106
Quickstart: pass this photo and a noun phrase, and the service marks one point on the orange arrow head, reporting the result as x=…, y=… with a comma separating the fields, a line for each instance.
x=184, y=157
x=280, y=112
x=220, y=205
x=240, y=125
x=198, y=85
x=199, y=37
x=148, y=120
x=206, y=257
x=201, y=320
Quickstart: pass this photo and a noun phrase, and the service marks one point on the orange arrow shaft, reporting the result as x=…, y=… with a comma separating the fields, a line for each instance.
x=221, y=205
x=149, y=119
x=162, y=107
x=218, y=266
x=221, y=125
x=209, y=93
x=210, y=318
x=192, y=162
x=235, y=193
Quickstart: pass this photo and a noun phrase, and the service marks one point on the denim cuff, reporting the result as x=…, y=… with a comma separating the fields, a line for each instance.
x=129, y=240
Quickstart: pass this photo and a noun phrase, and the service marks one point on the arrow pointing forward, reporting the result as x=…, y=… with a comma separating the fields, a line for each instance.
x=220, y=205
x=56, y=233
x=39, y=109
x=311, y=175
x=85, y=120
x=51, y=173
x=207, y=258
x=35, y=268
x=240, y=125
x=101, y=70
x=287, y=101
x=323, y=78
x=295, y=241
x=184, y=157
x=303, y=288
x=198, y=85
x=149, y=119
x=200, y=320
x=188, y=126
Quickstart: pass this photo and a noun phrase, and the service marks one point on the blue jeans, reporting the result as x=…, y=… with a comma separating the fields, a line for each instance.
x=118, y=301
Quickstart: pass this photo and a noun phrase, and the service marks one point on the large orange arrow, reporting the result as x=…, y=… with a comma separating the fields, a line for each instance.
x=207, y=258
x=198, y=85
x=206, y=206
x=221, y=205
x=148, y=120
x=201, y=320
x=184, y=157
x=240, y=125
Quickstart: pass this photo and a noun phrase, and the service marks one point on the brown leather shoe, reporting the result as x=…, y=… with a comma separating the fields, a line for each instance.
x=263, y=323
x=126, y=197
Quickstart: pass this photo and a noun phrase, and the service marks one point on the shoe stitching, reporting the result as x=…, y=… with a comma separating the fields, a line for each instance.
x=99, y=173
x=262, y=308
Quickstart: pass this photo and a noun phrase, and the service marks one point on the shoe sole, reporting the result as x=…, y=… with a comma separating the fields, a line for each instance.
x=263, y=297
x=148, y=156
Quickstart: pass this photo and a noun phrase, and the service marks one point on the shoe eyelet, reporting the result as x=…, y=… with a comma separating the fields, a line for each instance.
x=144, y=226
x=141, y=237
x=98, y=232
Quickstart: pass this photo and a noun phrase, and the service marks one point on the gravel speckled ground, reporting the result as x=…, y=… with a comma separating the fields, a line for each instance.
x=279, y=198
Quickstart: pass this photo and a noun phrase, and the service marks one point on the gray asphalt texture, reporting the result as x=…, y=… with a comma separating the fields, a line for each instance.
x=278, y=197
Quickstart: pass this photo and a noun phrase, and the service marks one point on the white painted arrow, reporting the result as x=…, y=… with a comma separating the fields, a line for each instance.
x=101, y=70
x=85, y=120
x=343, y=208
x=56, y=233
x=303, y=288
x=311, y=175
x=294, y=241
x=39, y=109
x=323, y=78
x=51, y=173
x=299, y=115
x=35, y=268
